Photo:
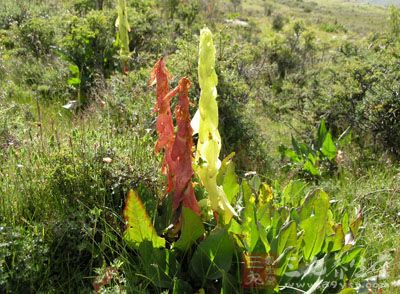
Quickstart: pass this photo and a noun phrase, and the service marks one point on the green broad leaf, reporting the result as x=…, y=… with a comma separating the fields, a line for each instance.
x=304, y=149
x=249, y=226
x=264, y=222
x=287, y=238
x=213, y=256
x=159, y=264
x=246, y=191
x=74, y=82
x=192, y=229
x=255, y=183
x=312, y=204
x=235, y=227
x=282, y=261
x=264, y=215
x=335, y=242
x=265, y=194
x=348, y=291
x=352, y=255
x=322, y=132
x=139, y=227
x=310, y=167
x=312, y=158
x=338, y=240
x=74, y=70
x=289, y=153
x=230, y=180
x=262, y=232
x=293, y=193
x=328, y=147
x=314, y=215
x=330, y=223
x=222, y=170
x=296, y=147
x=276, y=223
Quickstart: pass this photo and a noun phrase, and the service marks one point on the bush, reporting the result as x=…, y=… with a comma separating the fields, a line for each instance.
x=37, y=35
x=18, y=11
x=278, y=21
x=88, y=44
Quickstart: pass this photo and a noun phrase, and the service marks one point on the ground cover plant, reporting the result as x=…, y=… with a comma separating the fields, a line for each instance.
x=274, y=139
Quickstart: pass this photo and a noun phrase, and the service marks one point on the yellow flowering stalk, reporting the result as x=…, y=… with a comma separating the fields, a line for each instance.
x=123, y=37
x=209, y=143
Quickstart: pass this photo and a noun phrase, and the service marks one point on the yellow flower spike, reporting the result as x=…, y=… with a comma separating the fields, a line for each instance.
x=123, y=29
x=209, y=143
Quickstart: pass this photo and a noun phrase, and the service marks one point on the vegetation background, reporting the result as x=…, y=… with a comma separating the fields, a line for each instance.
x=76, y=133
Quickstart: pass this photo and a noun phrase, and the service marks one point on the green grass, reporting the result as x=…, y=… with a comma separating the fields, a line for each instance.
x=376, y=192
x=357, y=18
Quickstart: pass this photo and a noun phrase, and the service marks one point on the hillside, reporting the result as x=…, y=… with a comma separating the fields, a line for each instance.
x=382, y=2
x=160, y=146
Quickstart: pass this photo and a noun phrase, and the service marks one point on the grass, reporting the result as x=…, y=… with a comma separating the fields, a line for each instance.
x=61, y=195
x=358, y=18
x=375, y=191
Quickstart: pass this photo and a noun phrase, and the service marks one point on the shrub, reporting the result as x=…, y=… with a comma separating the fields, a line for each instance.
x=88, y=44
x=37, y=35
x=278, y=21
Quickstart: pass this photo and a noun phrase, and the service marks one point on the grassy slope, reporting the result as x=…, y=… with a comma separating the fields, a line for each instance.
x=359, y=18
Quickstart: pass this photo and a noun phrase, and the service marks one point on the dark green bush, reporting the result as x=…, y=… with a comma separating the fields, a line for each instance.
x=37, y=35
x=278, y=21
x=89, y=44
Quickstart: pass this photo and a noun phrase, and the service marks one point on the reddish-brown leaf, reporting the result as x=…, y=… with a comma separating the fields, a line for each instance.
x=182, y=151
x=165, y=127
x=177, y=163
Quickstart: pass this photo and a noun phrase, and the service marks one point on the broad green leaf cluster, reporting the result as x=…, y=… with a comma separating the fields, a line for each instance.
x=316, y=158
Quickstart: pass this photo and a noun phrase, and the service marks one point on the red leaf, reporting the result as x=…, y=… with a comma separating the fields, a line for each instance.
x=165, y=127
x=182, y=151
x=177, y=163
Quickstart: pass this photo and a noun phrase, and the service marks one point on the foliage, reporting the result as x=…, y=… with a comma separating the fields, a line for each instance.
x=300, y=235
x=278, y=22
x=89, y=46
x=37, y=35
x=24, y=259
x=276, y=228
x=313, y=159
